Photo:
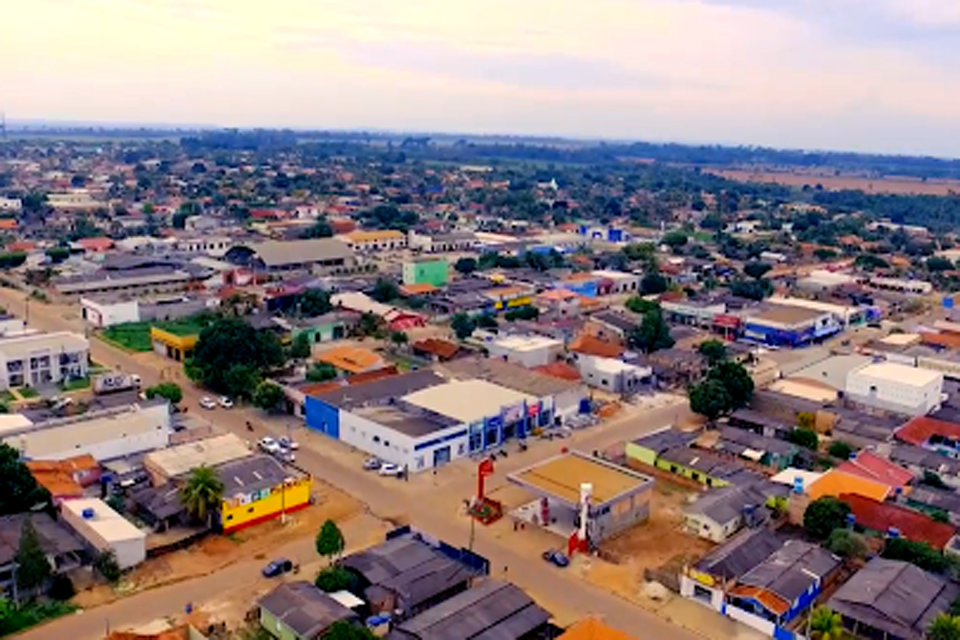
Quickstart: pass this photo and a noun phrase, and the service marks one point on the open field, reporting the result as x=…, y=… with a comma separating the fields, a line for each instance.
x=890, y=184
x=135, y=336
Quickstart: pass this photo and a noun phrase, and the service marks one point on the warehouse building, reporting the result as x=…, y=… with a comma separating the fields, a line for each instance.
x=106, y=530
x=322, y=255
x=896, y=387
x=617, y=498
x=169, y=464
x=526, y=351
x=423, y=419
x=789, y=326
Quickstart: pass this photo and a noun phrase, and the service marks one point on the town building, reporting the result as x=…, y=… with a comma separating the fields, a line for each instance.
x=258, y=489
x=788, y=326
x=350, y=360
x=395, y=318
x=138, y=277
x=593, y=628
x=10, y=205
x=41, y=359
x=719, y=514
x=433, y=271
x=63, y=549
x=527, y=351
x=896, y=387
x=617, y=498
x=319, y=256
x=105, y=530
x=300, y=611
x=105, y=434
x=892, y=599
x=443, y=242
x=900, y=285
x=167, y=465
x=887, y=519
x=370, y=241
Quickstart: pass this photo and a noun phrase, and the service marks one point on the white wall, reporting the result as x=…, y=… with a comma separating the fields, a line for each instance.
x=567, y=404
x=687, y=585
x=614, y=376
x=895, y=395
x=395, y=447
x=529, y=358
x=753, y=621
x=130, y=551
x=11, y=326
x=106, y=315
x=708, y=529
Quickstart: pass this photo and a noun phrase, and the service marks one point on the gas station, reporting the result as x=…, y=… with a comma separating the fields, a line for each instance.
x=582, y=498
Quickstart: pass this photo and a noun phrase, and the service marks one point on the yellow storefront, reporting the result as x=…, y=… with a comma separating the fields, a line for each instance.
x=241, y=511
x=170, y=345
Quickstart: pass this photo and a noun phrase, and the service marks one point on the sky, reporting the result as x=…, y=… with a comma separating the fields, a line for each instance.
x=866, y=75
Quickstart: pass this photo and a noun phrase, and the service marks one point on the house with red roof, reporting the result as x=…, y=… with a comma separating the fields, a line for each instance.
x=932, y=434
x=866, y=464
x=95, y=245
x=881, y=517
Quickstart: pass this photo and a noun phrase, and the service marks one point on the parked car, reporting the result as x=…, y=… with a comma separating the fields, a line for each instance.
x=207, y=403
x=556, y=558
x=277, y=567
x=269, y=445
x=388, y=469
x=226, y=402
x=372, y=464
x=289, y=443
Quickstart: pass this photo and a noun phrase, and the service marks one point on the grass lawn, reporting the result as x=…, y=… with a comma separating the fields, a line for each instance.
x=76, y=384
x=6, y=397
x=28, y=392
x=20, y=618
x=135, y=336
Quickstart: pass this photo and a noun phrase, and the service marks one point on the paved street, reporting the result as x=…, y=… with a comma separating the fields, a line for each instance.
x=435, y=510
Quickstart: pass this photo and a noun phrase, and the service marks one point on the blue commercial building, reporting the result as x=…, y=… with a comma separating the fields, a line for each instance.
x=785, y=326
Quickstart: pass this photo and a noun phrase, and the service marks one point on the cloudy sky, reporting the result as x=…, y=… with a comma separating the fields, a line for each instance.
x=878, y=75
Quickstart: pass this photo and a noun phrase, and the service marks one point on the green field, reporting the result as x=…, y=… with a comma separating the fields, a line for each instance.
x=135, y=336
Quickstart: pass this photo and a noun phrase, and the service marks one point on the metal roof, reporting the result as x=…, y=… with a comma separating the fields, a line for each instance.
x=304, y=608
x=277, y=254
x=740, y=554
x=895, y=597
x=792, y=569
x=54, y=537
x=491, y=611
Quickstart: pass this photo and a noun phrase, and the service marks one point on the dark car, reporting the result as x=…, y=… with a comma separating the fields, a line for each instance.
x=557, y=558
x=277, y=567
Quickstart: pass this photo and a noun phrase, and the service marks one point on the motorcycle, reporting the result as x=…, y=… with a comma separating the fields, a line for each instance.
x=249, y=426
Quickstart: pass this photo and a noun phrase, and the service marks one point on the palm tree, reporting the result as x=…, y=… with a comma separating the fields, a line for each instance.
x=202, y=494
x=825, y=624
x=944, y=627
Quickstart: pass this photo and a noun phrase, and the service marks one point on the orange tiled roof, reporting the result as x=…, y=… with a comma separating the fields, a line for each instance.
x=350, y=359
x=437, y=347
x=417, y=289
x=560, y=370
x=921, y=428
x=593, y=629
x=835, y=483
x=879, y=516
x=771, y=601
x=8, y=223
x=588, y=345
x=873, y=467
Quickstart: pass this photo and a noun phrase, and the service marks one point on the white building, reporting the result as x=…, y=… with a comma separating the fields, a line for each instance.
x=622, y=282
x=899, y=285
x=106, y=435
x=42, y=358
x=611, y=374
x=104, y=313
x=73, y=200
x=526, y=351
x=106, y=530
x=11, y=325
x=896, y=387
x=10, y=205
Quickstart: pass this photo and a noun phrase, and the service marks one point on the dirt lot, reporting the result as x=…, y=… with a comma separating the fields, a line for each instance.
x=895, y=185
x=215, y=551
x=653, y=544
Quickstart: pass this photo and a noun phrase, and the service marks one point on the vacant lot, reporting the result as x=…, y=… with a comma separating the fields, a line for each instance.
x=890, y=184
x=135, y=336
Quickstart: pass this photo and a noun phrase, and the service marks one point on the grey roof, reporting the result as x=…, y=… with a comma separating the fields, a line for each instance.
x=615, y=320
x=749, y=416
x=251, y=474
x=55, y=538
x=277, y=254
x=427, y=580
x=304, y=608
x=740, y=554
x=389, y=559
x=491, y=611
x=924, y=458
x=508, y=375
x=407, y=419
x=380, y=391
x=948, y=501
x=792, y=569
x=709, y=464
x=737, y=441
x=661, y=441
x=895, y=597
x=163, y=501
x=728, y=503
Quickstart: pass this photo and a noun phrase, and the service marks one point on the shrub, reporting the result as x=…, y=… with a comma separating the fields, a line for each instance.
x=61, y=588
x=840, y=449
x=335, y=578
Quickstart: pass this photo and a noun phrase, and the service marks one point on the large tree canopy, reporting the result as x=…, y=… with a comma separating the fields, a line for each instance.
x=18, y=489
x=231, y=357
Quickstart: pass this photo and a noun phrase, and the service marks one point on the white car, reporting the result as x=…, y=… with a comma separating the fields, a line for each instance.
x=269, y=445
x=207, y=403
x=289, y=443
x=388, y=469
x=226, y=402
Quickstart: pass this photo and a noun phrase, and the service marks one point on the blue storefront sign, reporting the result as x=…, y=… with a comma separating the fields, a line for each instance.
x=492, y=429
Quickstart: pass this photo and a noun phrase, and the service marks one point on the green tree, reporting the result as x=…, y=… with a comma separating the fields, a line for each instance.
x=462, y=325
x=715, y=351
x=652, y=334
x=319, y=229
x=19, y=490
x=370, y=324
x=943, y=627
x=300, y=349
x=805, y=438
x=107, y=566
x=385, y=290
x=33, y=568
x=329, y=541
x=653, y=283
x=399, y=338
x=824, y=515
x=840, y=449
x=937, y=264
x=334, y=578
x=847, y=544
x=825, y=624
x=320, y=372
x=674, y=239
x=314, y=302
x=465, y=266
x=202, y=494
x=527, y=312
x=342, y=630
x=268, y=395
x=919, y=554
x=12, y=260
x=639, y=305
x=169, y=390
x=735, y=377
x=231, y=356
x=709, y=399
x=485, y=321
x=756, y=270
